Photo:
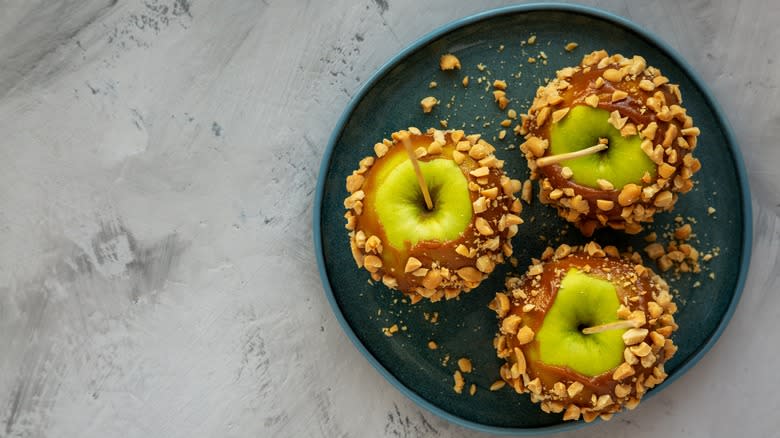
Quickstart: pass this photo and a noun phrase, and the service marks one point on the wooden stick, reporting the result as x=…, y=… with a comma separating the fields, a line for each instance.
x=617, y=325
x=420, y=179
x=552, y=159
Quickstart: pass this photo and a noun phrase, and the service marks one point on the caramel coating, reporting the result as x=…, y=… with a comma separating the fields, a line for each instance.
x=653, y=110
x=434, y=269
x=645, y=300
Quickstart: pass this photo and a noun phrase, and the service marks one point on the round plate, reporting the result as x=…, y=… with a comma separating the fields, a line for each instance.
x=465, y=327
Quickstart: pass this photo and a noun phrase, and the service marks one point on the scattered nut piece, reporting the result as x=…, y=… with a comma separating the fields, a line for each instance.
x=464, y=364
x=483, y=227
x=526, y=194
x=380, y=149
x=630, y=194
x=605, y=204
x=634, y=336
x=655, y=250
x=623, y=371
x=641, y=350
x=372, y=263
x=683, y=232
x=629, y=356
x=498, y=384
x=525, y=335
x=575, y=388
x=558, y=115
x=412, y=264
x=485, y=264
x=616, y=121
x=449, y=62
x=613, y=75
x=604, y=184
x=428, y=103
x=459, y=382
x=572, y=413
x=470, y=274
x=510, y=324
x=618, y=95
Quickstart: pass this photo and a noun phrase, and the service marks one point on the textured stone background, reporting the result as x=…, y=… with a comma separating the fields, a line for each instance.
x=157, y=168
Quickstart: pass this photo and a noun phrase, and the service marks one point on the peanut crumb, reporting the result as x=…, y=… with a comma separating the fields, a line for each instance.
x=428, y=103
x=390, y=331
x=526, y=194
x=499, y=84
x=459, y=382
x=449, y=62
x=570, y=46
x=498, y=384
x=464, y=364
x=432, y=345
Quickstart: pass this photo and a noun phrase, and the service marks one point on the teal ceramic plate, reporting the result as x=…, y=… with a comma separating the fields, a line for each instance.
x=465, y=327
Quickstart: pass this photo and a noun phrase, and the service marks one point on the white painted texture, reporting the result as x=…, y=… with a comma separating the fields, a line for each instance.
x=157, y=169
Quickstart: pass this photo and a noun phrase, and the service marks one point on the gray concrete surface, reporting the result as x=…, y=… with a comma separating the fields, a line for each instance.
x=157, y=169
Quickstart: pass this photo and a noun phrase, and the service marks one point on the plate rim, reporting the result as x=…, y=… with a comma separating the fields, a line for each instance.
x=666, y=49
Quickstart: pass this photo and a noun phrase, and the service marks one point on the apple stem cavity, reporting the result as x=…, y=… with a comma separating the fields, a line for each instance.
x=552, y=159
x=617, y=325
x=420, y=179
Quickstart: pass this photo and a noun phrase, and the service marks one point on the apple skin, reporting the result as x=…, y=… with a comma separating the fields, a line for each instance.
x=581, y=301
x=401, y=208
x=623, y=163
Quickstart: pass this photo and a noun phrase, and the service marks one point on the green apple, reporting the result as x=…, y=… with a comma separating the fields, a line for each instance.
x=582, y=301
x=622, y=163
x=401, y=208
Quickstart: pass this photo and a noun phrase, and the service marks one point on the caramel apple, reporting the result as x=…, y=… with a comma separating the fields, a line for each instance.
x=585, y=331
x=433, y=251
x=610, y=143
